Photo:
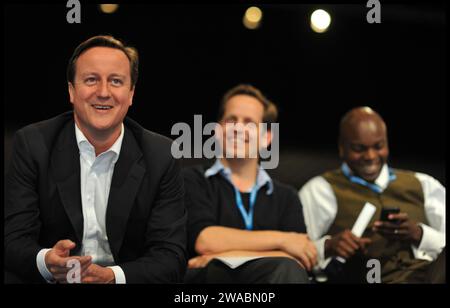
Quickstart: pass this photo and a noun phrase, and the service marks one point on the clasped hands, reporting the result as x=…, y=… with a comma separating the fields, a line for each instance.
x=57, y=261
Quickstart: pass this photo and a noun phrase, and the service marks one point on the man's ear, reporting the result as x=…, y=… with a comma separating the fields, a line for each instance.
x=132, y=95
x=71, y=91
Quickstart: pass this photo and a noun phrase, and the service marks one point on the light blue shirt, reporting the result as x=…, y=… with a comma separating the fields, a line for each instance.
x=262, y=177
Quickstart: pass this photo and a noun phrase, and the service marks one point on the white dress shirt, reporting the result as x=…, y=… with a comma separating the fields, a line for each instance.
x=95, y=174
x=320, y=209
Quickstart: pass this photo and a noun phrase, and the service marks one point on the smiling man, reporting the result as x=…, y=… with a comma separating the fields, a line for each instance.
x=405, y=243
x=235, y=209
x=91, y=187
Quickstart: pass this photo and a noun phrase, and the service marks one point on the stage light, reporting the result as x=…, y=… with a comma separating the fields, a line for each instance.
x=320, y=21
x=108, y=8
x=252, y=18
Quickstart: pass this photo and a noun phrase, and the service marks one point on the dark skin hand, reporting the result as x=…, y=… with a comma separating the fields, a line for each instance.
x=345, y=244
x=404, y=229
x=363, y=145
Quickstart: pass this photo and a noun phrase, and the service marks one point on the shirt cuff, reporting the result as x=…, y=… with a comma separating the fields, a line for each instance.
x=42, y=267
x=320, y=246
x=431, y=244
x=119, y=274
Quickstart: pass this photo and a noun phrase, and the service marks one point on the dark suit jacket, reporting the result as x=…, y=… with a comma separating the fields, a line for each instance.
x=145, y=218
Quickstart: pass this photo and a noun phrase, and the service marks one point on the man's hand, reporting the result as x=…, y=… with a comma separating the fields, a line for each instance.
x=98, y=274
x=404, y=229
x=56, y=260
x=299, y=246
x=200, y=261
x=345, y=244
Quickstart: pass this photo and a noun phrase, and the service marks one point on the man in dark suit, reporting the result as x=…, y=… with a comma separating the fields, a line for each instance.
x=91, y=190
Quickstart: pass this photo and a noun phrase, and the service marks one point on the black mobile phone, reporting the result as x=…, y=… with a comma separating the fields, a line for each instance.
x=386, y=211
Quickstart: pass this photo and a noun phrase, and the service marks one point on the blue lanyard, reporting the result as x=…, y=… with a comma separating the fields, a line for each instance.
x=374, y=187
x=248, y=217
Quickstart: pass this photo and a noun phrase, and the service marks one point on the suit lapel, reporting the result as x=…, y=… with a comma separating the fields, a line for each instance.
x=65, y=167
x=126, y=180
x=127, y=176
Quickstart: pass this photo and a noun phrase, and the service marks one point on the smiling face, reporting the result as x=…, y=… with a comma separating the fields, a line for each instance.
x=364, y=145
x=102, y=92
x=240, y=126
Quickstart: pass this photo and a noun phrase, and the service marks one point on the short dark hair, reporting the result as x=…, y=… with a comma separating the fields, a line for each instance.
x=105, y=41
x=270, y=109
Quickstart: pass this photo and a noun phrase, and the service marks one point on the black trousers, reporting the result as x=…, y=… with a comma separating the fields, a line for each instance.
x=268, y=270
x=354, y=271
x=436, y=272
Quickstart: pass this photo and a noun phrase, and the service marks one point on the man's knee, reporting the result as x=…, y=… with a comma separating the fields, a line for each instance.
x=289, y=271
x=195, y=276
x=280, y=270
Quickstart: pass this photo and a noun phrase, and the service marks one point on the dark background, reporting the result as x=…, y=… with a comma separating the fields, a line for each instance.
x=191, y=54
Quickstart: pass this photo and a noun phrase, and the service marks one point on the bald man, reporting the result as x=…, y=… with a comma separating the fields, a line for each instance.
x=407, y=242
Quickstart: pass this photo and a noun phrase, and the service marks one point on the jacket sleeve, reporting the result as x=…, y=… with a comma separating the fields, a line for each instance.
x=22, y=223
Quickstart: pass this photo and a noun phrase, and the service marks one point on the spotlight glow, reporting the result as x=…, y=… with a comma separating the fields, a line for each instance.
x=252, y=18
x=108, y=8
x=320, y=21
